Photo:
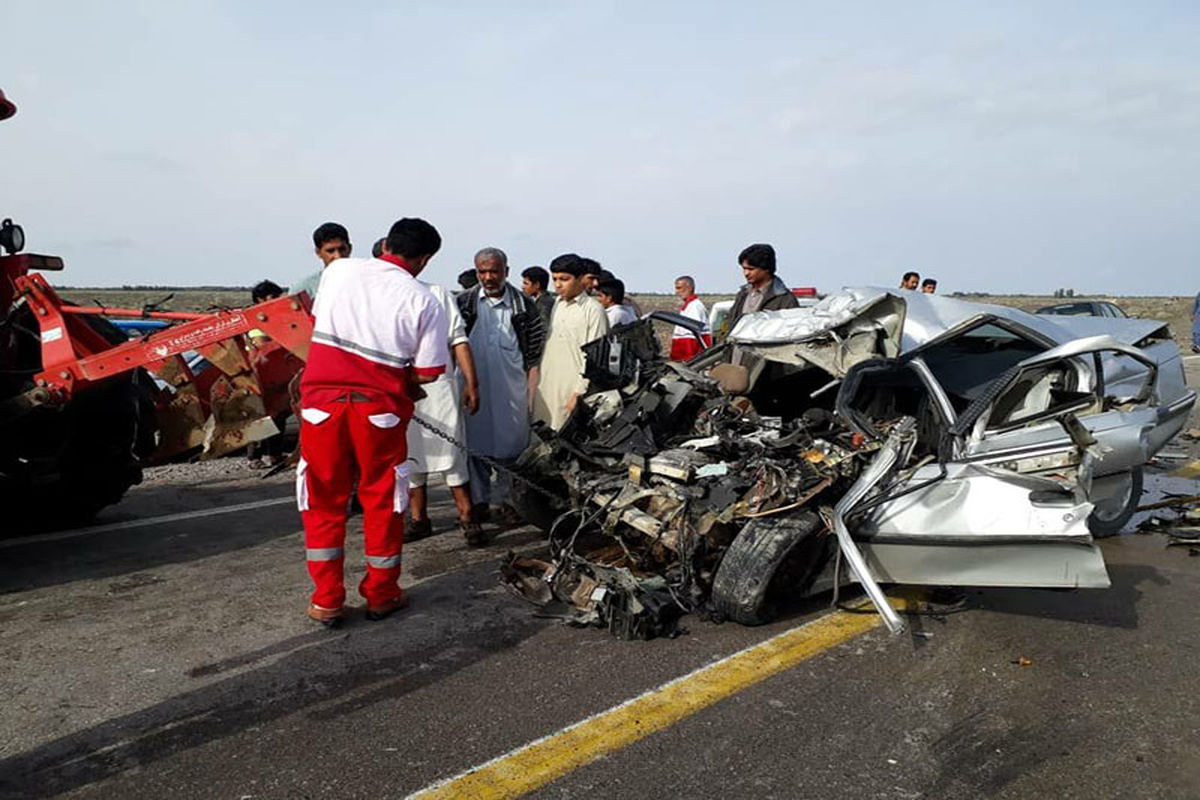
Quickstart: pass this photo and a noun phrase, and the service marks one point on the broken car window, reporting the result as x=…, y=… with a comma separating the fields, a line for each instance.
x=966, y=364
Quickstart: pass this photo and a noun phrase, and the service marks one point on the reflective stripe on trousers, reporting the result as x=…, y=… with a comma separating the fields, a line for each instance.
x=324, y=553
x=353, y=447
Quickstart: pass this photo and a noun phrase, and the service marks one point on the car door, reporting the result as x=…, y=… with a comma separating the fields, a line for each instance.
x=1055, y=409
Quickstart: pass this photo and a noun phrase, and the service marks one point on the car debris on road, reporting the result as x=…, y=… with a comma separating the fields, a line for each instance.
x=875, y=437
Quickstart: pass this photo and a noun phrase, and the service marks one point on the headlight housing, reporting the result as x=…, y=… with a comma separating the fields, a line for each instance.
x=12, y=237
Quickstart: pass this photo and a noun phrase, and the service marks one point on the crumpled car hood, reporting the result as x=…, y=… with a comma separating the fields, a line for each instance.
x=925, y=317
x=796, y=324
x=840, y=331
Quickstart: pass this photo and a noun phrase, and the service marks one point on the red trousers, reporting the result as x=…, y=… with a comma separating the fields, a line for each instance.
x=687, y=348
x=341, y=442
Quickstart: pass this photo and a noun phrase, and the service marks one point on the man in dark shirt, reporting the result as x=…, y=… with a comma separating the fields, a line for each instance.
x=534, y=283
x=763, y=291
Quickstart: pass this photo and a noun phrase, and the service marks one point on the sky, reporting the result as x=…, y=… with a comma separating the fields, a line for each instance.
x=997, y=147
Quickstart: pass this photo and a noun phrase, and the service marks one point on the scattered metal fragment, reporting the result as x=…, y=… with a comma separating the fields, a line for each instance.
x=922, y=440
x=1172, y=502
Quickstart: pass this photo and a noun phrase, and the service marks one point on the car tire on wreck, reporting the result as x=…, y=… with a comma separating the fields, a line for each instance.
x=770, y=559
x=1108, y=518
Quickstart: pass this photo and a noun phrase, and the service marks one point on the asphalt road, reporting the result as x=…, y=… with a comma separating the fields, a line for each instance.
x=174, y=660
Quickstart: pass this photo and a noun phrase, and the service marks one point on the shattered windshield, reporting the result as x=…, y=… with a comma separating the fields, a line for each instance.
x=965, y=364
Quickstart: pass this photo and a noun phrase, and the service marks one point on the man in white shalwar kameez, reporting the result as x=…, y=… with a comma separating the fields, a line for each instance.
x=576, y=320
x=442, y=407
x=507, y=335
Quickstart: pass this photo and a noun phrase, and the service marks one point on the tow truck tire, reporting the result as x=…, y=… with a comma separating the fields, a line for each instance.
x=1109, y=519
x=61, y=465
x=80, y=458
x=770, y=558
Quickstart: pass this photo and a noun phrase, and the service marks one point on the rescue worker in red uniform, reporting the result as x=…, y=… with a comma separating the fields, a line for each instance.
x=377, y=334
x=684, y=344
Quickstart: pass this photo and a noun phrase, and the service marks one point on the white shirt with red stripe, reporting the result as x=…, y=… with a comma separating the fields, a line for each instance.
x=374, y=325
x=683, y=342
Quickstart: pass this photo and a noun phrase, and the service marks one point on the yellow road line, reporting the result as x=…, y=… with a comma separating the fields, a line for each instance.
x=541, y=761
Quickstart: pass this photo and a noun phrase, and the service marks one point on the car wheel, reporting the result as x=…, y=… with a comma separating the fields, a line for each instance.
x=768, y=560
x=1109, y=516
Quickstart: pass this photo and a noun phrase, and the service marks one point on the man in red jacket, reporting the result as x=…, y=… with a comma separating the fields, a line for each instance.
x=377, y=334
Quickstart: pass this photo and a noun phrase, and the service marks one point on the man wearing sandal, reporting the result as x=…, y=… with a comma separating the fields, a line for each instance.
x=507, y=336
x=442, y=408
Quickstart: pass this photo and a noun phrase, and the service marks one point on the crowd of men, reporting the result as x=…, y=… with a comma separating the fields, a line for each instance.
x=911, y=280
x=406, y=380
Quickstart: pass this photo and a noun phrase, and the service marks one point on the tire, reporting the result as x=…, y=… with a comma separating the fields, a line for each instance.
x=767, y=561
x=58, y=467
x=1111, y=518
x=61, y=465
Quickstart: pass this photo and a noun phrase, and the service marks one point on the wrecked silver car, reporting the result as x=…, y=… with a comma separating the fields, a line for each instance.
x=880, y=437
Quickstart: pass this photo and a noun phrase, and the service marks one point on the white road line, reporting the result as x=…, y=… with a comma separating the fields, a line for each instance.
x=142, y=523
x=1191, y=357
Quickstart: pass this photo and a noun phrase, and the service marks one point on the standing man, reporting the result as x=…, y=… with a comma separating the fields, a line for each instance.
x=332, y=241
x=605, y=275
x=467, y=279
x=442, y=408
x=1196, y=324
x=535, y=283
x=684, y=344
x=577, y=320
x=929, y=286
x=610, y=293
x=592, y=272
x=507, y=336
x=377, y=334
x=910, y=281
x=763, y=291
x=267, y=452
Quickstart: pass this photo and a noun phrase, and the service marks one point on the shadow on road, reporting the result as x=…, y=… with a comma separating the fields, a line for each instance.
x=1115, y=607
x=52, y=561
x=326, y=673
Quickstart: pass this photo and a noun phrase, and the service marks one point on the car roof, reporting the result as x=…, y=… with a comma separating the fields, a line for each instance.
x=927, y=316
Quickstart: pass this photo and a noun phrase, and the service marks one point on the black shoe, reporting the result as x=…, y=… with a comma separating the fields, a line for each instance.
x=473, y=533
x=418, y=529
